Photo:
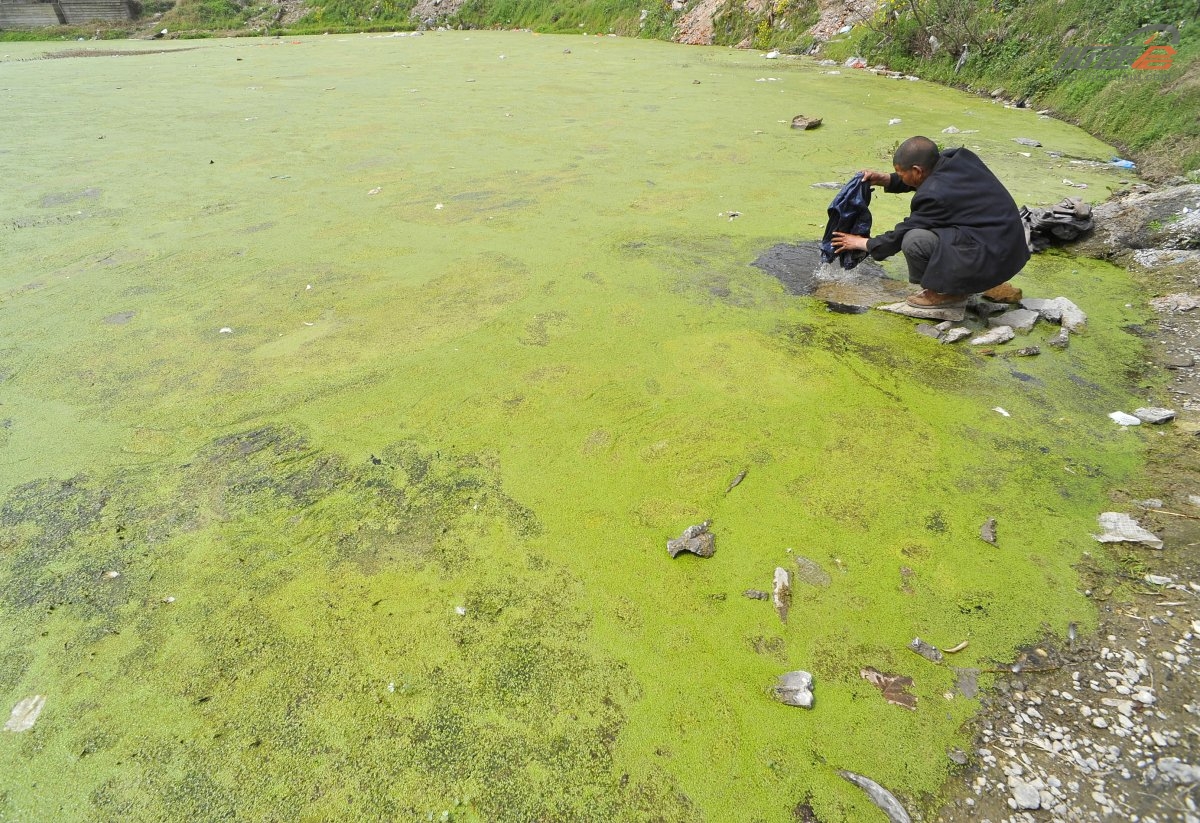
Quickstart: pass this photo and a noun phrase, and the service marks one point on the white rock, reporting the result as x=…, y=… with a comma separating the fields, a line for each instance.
x=1123, y=419
x=1000, y=334
x=1026, y=796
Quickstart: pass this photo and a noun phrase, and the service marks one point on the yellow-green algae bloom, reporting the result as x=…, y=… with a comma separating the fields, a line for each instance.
x=381, y=368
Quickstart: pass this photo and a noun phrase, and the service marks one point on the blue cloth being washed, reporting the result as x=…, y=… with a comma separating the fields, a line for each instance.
x=850, y=212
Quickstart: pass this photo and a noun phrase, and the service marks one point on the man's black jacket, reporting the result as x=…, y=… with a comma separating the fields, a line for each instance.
x=975, y=218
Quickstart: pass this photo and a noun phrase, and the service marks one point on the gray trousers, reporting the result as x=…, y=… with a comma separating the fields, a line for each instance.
x=918, y=246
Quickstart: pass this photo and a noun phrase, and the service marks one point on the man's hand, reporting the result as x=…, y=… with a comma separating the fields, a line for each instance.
x=876, y=178
x=847, y=242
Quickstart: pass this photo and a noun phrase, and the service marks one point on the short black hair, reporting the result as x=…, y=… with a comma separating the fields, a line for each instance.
x=916, y=151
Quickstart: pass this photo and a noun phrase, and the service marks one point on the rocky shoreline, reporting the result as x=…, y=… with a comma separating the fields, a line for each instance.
x=1111, y=731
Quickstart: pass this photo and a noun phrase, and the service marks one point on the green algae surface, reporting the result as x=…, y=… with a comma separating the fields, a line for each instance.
x=353, y=385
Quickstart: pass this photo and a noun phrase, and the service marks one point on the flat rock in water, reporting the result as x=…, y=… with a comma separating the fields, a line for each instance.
x=929, y=331
x=926, y=650
x=1050, y=310
x=795, y=689
x=1061, y=340
x=695, y=539
x=805, y=123
x=955, y=334
x=1000, y=334
x=956, y=315
x=1179, y=361
x=811, y=572
x=25, y=714
x=1026, y=141
x=1019, y=320
x=988, y=531
x=1154, y=415
x=1073, y=319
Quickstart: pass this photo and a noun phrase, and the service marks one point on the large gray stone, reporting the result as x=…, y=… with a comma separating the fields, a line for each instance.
x=1019, y=320
x=1026, y=795
x=1154, y=415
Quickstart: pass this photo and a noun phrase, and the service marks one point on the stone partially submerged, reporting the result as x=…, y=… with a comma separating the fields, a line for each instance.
x=795, y=689
x=954, y=314
x=695, y=539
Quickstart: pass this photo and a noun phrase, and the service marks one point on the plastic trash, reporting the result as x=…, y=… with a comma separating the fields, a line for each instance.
x=1123, y=164
x=1121, y=528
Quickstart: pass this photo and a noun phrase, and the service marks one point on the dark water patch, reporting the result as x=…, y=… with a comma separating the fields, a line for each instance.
x=1027, y=378
x=120, y=318
x=845, y=308
x=797, y=265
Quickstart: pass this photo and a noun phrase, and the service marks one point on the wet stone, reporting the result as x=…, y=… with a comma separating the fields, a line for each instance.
x=1179, y=361
x=987, y=532
x=755, y=594
x=926, y=650
x=929, y=331
x=955, y=334
x=695, y=539
x=1020, y=321
x=1060, y=340
x=1000, y=334
x=795, y=689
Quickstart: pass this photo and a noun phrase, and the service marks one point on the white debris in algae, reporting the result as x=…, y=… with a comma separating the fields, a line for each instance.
x=25, y=714
x=880, y=796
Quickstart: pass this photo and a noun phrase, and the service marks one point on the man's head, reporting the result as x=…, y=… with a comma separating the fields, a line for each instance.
x=914, y=160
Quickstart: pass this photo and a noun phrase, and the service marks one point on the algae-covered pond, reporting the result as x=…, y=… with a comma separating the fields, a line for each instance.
x=352, y=387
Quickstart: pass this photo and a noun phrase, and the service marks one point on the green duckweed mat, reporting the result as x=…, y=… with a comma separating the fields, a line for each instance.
x=352, y=386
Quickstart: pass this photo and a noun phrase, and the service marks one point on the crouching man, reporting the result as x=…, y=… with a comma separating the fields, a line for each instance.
x=964, y=234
